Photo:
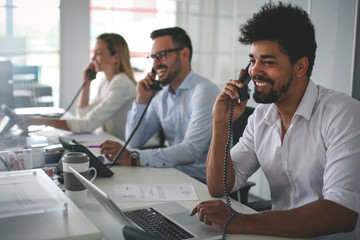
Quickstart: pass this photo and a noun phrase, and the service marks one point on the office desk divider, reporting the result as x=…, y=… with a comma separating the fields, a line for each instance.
x=21, y=159
x=27, y=192
x=13, y=160
x=33, y=207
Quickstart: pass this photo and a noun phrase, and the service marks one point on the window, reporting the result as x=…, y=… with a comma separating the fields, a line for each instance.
x=29, y=35
x=134, y=20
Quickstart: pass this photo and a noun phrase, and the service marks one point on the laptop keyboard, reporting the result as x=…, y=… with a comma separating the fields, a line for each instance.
x=154, y=222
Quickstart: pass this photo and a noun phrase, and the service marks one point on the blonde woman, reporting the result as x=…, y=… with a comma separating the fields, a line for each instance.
x=117, y=91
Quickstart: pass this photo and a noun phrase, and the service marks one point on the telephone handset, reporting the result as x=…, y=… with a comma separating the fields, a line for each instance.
x=91, y=74
x=157, y=85
x=245, y=79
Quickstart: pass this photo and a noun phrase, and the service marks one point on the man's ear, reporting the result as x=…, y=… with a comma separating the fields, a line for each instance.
x=185, y=53
x=301, y=66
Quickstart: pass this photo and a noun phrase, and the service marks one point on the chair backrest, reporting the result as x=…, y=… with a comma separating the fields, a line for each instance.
x=6, y=89
x=29, y=92
x=240, y=124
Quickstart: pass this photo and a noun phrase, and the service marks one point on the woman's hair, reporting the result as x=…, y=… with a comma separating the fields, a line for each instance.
x=117, y=44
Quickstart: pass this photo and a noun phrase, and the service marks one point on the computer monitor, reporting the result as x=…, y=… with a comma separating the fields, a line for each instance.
x=6, y=76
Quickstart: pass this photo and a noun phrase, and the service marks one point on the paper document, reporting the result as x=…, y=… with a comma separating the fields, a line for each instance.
x=154, y=192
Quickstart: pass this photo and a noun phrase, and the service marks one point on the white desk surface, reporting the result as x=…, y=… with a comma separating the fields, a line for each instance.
x=99, y=216
x=142, y=175
x=51, y=224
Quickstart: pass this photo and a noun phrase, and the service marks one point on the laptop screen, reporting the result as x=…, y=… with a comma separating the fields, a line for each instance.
x=129, y=232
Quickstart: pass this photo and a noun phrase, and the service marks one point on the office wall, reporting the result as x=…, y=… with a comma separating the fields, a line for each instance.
x=214, y=28
x=74, y=47
x=356, y=68
x=335, y=33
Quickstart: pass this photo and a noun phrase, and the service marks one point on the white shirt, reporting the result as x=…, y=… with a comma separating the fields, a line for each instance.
x=186, y=119
x=108, y=109
x=319, y=157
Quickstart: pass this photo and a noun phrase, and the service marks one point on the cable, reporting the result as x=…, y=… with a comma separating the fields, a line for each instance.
x=91, y=75
x=73, y=100
x=226, y=159
x=132, y=133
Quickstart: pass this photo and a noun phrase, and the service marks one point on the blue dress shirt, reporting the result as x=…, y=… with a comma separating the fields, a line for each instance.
x=185, y=117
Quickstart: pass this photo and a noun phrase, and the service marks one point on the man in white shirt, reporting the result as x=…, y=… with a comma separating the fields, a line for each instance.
x=305, y=138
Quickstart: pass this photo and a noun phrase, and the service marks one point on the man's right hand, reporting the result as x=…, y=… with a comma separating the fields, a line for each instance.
x=144, y=91
x=221, y=108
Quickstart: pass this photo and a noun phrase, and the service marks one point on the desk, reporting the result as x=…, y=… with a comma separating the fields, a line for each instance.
x=142, y=175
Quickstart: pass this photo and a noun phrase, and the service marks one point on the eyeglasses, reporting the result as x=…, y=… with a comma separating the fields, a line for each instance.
x=161, y=55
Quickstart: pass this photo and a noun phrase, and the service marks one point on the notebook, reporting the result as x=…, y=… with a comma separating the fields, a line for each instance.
x=174, y=213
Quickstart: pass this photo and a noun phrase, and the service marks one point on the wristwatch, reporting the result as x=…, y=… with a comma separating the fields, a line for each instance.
x=134, y=155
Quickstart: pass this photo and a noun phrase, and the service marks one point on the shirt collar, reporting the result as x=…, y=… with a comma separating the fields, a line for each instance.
x=308, y=101
x=271, y=115
x=304, y=109
x=186, y=84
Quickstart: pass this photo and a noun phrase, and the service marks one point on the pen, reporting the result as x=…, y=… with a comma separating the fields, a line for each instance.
x=94, y=146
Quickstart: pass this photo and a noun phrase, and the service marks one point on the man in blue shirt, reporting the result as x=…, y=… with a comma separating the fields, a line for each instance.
x=182, y=109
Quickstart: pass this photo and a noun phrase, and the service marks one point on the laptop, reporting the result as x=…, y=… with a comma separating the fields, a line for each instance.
x=172, y=214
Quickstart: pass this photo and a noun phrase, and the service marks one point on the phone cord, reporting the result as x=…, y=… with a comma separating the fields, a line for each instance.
x=226, y=159
x=133, y=132
x=73, y=100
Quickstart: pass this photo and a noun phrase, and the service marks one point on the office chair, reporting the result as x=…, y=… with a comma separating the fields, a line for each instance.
x=28, y=91
x=242, y=194
x=157, y=141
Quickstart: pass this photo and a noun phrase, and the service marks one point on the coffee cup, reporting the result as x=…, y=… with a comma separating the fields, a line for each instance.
x=74, y=189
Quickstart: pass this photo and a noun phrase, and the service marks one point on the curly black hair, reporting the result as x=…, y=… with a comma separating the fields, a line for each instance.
x=287, y=24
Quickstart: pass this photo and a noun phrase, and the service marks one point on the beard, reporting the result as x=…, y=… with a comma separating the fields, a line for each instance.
x=274, y=95
x=175, y=70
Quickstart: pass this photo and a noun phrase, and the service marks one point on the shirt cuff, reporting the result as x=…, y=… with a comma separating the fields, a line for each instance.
x=137, y=108
x=74, y=125
x=81, y=112
x=146, y=158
